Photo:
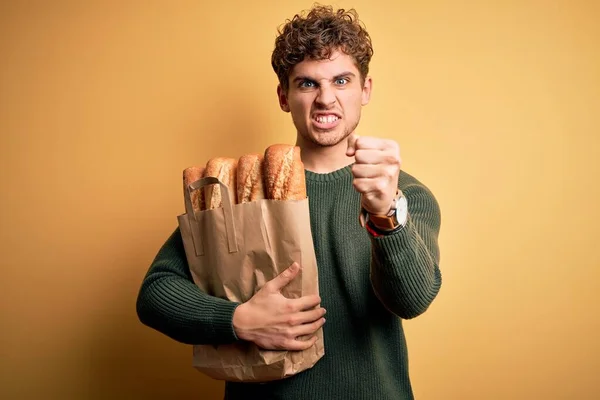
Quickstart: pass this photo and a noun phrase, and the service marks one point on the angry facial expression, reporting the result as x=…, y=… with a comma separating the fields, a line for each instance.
x=325, y=98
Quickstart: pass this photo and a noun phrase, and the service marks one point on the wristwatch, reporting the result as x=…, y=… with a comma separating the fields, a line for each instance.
x=393, y=220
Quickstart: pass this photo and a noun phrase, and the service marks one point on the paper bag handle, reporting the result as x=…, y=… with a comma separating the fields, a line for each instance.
x=227, y=208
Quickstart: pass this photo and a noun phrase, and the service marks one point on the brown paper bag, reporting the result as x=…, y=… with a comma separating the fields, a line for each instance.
x=232, y=252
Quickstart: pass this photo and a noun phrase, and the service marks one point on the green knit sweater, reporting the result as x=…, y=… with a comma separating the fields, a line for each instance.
x=367, y=285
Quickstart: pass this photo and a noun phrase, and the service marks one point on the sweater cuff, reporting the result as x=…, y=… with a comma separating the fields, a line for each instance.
x=223, y=320
x=390, y=245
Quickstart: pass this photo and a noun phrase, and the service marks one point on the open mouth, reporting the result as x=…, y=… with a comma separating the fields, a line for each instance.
x=325, y=121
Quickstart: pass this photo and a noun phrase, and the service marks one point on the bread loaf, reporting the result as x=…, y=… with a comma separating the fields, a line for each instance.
x=190, y=175
x=224, y=169
x=283, y=172
x=250, y=185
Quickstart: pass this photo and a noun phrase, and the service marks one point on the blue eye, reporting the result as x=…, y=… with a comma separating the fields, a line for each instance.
x=341, y=81
x=307, y=84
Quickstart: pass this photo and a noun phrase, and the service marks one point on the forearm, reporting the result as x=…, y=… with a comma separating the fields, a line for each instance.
x=405, y=270
x=171, y=303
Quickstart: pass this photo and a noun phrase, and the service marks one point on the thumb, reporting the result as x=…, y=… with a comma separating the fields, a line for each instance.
x=352, y=138
x=281, y=280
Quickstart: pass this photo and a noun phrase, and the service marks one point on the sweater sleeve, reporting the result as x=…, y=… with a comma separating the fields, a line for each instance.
x=171, y=303
x=405, y=272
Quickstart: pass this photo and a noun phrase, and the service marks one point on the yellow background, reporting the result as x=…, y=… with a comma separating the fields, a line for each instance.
x=102, y=104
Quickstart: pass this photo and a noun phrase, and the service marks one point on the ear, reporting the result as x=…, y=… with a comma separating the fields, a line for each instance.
x=366, y=91
x=283, y=102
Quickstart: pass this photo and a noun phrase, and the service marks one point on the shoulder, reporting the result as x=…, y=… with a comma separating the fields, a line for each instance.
x=407, y=181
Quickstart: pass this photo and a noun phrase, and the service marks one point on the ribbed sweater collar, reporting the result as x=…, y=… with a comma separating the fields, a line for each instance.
x=329, y=176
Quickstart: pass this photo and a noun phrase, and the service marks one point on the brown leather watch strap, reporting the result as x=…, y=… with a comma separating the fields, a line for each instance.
x=383, y=222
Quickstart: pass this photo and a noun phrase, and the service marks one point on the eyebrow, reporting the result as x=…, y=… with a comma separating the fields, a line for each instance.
x=338, y=76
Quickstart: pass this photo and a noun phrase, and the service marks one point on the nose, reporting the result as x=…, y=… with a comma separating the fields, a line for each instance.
x=326, y=97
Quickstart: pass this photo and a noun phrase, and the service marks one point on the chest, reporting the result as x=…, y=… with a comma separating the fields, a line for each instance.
x=343, y=249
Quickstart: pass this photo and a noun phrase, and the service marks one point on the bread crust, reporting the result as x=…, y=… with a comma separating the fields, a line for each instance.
x=250, y=185
x=190, y=175
x=284, y=173
x=224, y=169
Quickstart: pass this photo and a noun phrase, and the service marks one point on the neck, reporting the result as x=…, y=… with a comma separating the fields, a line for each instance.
x=323, y=159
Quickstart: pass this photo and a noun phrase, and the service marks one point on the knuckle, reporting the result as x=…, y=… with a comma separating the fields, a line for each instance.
x=290, y=320
x=392, y=159
x=275, y=344
x=289, y=308
x=286, y=274
x=268, y=287
x=391, y=170
x=358, y=155
x=290, y=335
x=281, y=346
x=280, y=331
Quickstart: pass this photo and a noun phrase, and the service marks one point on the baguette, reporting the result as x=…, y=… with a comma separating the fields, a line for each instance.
x=284, y=173
x=250, y=186
x=224, y=169
x=190, y=175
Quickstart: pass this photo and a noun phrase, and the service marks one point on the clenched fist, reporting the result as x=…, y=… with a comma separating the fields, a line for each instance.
x=375, y=171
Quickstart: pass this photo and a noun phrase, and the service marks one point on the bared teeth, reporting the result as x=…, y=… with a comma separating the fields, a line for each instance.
x=327, y=119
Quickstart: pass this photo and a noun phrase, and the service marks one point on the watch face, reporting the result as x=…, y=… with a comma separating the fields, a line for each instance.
x=401, y=210
x=402, y=203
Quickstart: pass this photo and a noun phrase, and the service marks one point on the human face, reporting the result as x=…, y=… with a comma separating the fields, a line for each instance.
x=325, y=98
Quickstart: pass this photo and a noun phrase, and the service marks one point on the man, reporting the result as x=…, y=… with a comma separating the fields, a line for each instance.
x=372, y=274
